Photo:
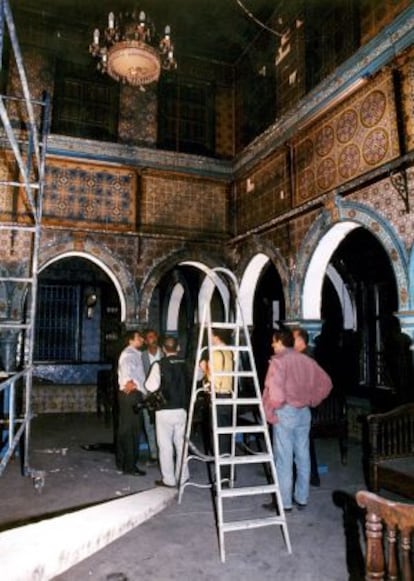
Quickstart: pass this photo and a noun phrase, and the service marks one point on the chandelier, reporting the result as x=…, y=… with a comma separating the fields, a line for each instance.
x=130, y=51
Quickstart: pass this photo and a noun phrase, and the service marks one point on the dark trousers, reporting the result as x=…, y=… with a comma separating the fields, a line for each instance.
x=224, y=419
x=129, y=429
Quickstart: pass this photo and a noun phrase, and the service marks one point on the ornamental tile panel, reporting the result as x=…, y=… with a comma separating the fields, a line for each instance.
x=357, y=136
x=385, y=200
x=91, y=196
x=173, y=201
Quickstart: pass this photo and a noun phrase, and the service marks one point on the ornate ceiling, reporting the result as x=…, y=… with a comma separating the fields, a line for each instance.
x=218, y=30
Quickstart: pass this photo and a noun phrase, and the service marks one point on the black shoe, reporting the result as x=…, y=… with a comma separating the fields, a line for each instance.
x=315, y=481
x=135, y=472
x=300, y=506
x=162, y=483
x=271, y=506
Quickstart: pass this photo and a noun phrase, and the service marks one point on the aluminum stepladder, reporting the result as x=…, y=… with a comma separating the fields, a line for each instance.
x=248, y=420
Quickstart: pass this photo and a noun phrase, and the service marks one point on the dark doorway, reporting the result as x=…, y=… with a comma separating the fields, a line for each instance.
x=268, y=307
x=78, y=314
x=363, y=360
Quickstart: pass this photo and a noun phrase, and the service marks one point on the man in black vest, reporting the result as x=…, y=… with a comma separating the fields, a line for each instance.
x=169, y=375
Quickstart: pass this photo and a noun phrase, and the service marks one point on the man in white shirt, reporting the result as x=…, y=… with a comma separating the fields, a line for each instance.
x=131, y=379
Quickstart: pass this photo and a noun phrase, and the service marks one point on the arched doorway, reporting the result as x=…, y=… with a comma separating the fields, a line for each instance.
x=78, y=321
x=178, y=299
x=360, y=334
x=268, y=310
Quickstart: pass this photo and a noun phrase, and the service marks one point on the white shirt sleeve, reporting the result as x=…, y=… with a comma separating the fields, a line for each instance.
x=153, y=381
x=130, y=368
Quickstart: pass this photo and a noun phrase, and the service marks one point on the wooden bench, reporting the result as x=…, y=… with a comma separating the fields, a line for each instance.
x=391, y=450
x=389, y=526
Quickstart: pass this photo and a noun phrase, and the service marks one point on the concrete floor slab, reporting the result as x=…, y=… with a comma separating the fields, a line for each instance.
x=180, y=542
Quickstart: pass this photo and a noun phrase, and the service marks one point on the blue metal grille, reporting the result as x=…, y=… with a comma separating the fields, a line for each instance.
x=57, y=325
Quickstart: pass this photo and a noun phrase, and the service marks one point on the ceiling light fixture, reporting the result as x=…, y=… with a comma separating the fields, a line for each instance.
x=130, y=51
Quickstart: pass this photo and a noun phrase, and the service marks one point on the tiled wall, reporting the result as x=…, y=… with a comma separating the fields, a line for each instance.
x=66, y=374
x=358, y=136
x=63, y=398
x=79, y=192
x=172, y=201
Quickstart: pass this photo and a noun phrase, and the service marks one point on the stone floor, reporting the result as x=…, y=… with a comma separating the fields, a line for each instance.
x=181, y=541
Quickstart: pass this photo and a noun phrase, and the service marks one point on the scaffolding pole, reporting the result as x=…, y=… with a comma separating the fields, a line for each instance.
x=25, y=138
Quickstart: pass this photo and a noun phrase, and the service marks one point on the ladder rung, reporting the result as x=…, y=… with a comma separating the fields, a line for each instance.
x=17, y=184
x=248, y=490
x=16, y=279
x=233, y=374
x=221, y=325
x=229, y=348
x=253, y=523
x=14, y=326
x=250, y=459
x=256, y=429
x=236, y=400
x=6, y=226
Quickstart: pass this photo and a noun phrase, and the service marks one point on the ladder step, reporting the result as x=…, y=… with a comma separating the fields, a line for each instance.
x=253, y=523
x=248, y=459
x=16, y=279
x=248, y=490
x=234, y=374
x=6, y=226
x=236, y=400
x=14, y=326
x=256, y=429
x=236, y=348
x=225, y=325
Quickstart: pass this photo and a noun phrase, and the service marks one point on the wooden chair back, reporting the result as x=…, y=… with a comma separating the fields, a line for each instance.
x=389, y=528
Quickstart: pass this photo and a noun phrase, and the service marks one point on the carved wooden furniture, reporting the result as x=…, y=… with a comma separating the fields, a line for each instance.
x=391, y=450
x=389, y=526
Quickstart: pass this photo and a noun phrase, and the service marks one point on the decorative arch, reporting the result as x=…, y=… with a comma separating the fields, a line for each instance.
x=181, y=257
x=323, y=239
x=207, y=289
x=252, y=269
x=102, y=257
x=174, y=305
x=344, y=297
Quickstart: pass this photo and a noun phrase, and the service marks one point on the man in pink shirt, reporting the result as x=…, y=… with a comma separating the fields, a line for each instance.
x=294, y=383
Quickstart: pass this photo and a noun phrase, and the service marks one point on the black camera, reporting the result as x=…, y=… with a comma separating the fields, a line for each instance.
x=137, y=407
x=153, y=402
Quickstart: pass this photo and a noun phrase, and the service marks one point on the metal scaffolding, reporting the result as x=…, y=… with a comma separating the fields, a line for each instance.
x=23, y=140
